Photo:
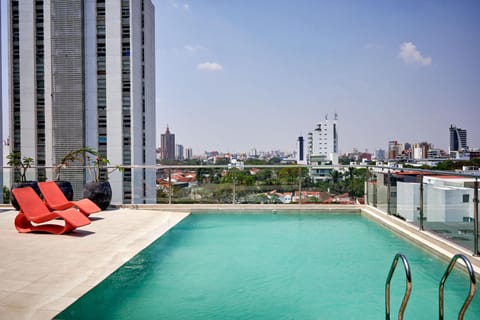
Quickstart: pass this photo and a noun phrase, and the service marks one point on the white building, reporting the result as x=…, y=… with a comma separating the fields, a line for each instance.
x=322, y=150
x=445, y=199
x=188, y=153
x=323, y=141
x=83, y=74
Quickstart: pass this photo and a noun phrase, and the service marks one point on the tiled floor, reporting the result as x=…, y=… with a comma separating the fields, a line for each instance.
x=41, y=274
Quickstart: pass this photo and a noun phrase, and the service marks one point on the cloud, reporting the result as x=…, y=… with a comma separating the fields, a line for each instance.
x=410, y=55
x=193, y=49
x=209, y=66
x=175, y=4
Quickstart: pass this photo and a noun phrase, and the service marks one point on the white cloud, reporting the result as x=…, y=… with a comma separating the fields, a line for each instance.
x=209, y=66
x=410, y=55
x=175, y=4
x=193, y=49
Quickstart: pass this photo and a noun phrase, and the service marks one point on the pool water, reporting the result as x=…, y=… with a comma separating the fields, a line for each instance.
x=273, y=266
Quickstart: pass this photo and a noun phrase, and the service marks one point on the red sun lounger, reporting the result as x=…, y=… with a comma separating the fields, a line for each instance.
x=32, y=209
x=56, y=200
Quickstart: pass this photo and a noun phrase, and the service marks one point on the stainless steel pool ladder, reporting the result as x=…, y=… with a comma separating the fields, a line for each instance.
x=408, y=288
x=471, y=293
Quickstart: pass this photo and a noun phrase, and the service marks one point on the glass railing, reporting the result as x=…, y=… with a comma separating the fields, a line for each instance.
x=442, y=202
x=445, y=203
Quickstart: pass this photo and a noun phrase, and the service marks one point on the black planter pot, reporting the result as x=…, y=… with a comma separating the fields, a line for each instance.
x=32, y=184
x=99, y=192
x=66, y=188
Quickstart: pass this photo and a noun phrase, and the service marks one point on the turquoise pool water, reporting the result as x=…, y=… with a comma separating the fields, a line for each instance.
x=272, y=266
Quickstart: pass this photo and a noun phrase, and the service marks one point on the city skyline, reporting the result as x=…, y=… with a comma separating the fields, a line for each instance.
x=237, y=76
x=260, y=75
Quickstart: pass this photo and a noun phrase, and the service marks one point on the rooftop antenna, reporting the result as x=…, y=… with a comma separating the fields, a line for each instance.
x=336, y=116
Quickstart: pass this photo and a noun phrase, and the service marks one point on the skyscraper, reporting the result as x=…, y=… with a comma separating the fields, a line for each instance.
x=458, y=139
x=83, y=74
x=323, y=141
x=167, y=145
x=300, y=150
x=179, y=152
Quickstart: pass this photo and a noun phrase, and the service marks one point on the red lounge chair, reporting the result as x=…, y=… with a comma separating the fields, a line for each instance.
x=56, y=200
x=32, y=209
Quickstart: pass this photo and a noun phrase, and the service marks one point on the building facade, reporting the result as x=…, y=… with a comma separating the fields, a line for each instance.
x=188, y=154
x=300, y=150
x=83, y=74
x=323, y=141
x=458, y=139
x=167, y=145
x=179, y=152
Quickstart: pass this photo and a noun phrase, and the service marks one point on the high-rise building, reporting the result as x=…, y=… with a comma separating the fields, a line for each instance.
x=83, y=74
x=167, y=145
x=188, y=154
x=380, y=155
x=179, y=152
x=395, y=149
x=323, y=141
x=420, y=150
x=300, y=150
x=458, y=139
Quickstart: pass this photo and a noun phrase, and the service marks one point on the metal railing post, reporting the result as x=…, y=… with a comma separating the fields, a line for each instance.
x=169, y=186
x=367, y=177
x=476, y=252
x=389, y=196
x=421, y=202
x=233, y=196
x=300, y=185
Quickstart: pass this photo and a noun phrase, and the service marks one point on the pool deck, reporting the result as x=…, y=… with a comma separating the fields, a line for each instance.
x=42, y=274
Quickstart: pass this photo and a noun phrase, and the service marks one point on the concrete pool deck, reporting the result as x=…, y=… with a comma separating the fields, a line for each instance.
x=42, y=274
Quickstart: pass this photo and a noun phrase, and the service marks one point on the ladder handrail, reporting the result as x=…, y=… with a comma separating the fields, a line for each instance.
x=469, y=298
x=408, y=288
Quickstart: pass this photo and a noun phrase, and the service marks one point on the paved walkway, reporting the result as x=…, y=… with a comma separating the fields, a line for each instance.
x=42, y=274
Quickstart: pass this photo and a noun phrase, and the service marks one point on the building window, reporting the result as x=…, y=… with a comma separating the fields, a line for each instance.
x=466, y=198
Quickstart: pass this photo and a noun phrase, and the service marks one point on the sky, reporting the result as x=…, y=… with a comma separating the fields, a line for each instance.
x=236, y=75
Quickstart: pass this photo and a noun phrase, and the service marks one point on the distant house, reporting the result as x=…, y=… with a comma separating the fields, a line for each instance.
x=311, y=196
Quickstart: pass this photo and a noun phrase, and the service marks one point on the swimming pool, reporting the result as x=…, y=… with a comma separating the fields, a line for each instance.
x=272, y=266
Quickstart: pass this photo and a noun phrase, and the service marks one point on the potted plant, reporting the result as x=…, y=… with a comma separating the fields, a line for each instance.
x=99, y=189
x=20, y=166
x=74, y=155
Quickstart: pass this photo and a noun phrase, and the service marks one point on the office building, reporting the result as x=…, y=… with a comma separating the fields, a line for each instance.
x=380, y=155
x=458, y=139
x=395, y=150
x=83, y=74
x=167, y=145
x=323, y=141
x=188, y=154
x=179, y=152
x=300, y=151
